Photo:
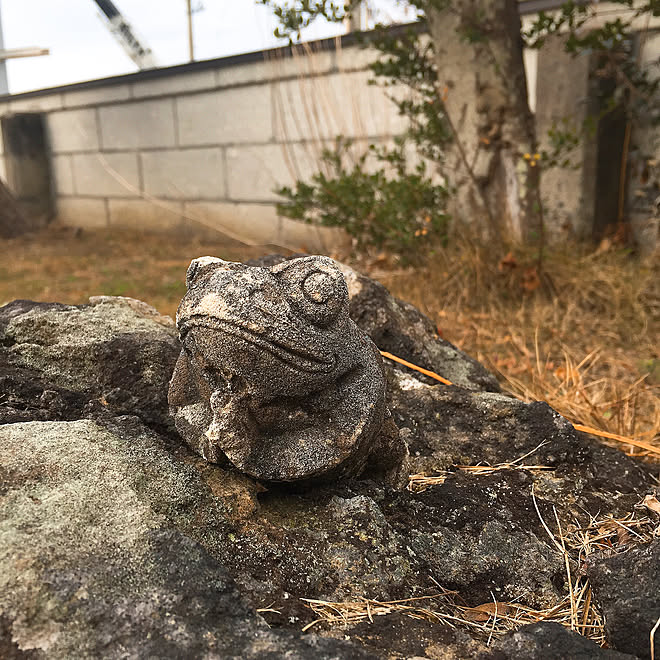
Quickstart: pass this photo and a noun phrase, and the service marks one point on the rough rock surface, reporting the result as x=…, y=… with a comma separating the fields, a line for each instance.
x=628, y=589
x=275, y=377
x=118, y=541
x=108, y=578
x=115, y=354
x=453, y=426
x=549, y=641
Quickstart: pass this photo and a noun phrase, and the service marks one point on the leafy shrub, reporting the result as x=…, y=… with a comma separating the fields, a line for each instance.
x=389, y=206
x=385, y=207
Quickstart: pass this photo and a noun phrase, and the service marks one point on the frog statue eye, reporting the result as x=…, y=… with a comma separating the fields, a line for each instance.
x=315, y=286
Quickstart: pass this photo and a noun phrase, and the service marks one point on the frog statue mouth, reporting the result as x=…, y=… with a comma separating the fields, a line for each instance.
x=292, y=356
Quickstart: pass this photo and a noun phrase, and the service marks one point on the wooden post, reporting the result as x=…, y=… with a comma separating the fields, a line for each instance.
x=191, y=46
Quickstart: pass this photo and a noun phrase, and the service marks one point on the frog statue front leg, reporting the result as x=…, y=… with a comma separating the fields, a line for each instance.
x=233, y=426
x=275, y=378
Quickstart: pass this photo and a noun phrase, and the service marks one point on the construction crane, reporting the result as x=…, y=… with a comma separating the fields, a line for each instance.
x=125, y=35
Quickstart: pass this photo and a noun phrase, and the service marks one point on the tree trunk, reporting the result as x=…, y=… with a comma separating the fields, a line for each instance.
x=481, y=76
x=643, y=202
x=12, y=221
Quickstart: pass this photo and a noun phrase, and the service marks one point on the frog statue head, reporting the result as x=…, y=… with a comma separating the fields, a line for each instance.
x=275, y=378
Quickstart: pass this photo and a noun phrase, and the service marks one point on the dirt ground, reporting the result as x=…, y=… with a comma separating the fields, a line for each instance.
x=581, y=332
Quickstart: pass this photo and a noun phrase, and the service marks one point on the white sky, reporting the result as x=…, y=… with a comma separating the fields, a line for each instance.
x=82, y=48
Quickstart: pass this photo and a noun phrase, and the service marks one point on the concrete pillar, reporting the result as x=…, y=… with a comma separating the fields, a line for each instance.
x=358, y=19
x=563, y=101
x=4, y=84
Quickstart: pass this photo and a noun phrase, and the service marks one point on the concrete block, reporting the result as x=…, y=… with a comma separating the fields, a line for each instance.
x=73, y=130
x=138, y=125
x=353, y=58
x=255, y=172
x=62, y=168
x=650, y=51
x=145, y=215
x=254, y=224
x=225, y=116
x=97, y=95
x=46, y=103
x=184, y=174
x=175, y=84
x=106, y=175
x=258, y=224
x=82, y=212
x=310, y=239
x=273, y=67
x=338, y=104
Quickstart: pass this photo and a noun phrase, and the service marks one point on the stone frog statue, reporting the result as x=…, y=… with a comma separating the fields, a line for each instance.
x=274, y=376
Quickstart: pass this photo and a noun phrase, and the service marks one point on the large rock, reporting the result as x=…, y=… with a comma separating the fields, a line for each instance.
x=627, y=587
x=447, y=426
x=114, y=353
x=91, y=567
x=118, y=541
x=549, y=641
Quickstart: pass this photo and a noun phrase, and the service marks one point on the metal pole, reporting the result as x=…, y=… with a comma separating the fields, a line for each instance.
x=191, y=47
x=357, y=22
x=4, y=83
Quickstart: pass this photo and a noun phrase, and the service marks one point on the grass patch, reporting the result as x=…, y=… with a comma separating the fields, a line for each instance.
x=69, y=266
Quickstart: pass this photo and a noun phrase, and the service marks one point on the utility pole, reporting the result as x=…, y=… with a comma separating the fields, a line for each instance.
x=13, y=53
x=357, y=22
x=191, y=45
x=4, y=84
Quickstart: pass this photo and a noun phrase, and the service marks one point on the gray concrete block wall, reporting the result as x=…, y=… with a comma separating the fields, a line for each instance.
x=197, y=173
x=73, y=130
x=138, y=125
x=208, y=148
x=106, y=174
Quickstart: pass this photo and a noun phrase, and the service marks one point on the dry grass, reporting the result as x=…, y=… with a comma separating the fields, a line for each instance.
x=583, y=336
x=489, y=620
x=418, y=483
x=67, y=266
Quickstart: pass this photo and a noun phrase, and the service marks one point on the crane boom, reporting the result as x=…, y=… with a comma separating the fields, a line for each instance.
x=124, y=33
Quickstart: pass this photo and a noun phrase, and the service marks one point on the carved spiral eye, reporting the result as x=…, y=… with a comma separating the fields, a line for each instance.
x=316, y=287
